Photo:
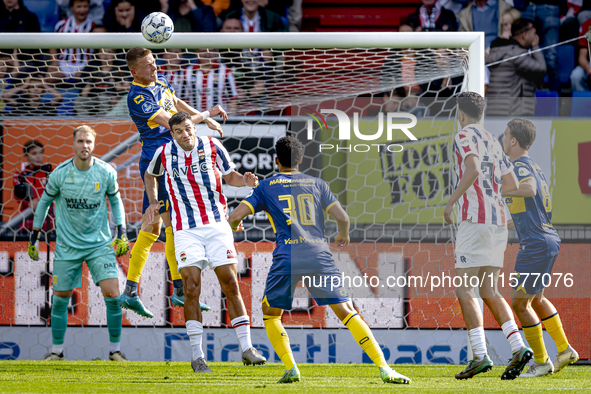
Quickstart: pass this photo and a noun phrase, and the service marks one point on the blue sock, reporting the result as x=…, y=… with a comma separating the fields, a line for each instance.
x=114, y=318
x=59, y=318
x=177, y=283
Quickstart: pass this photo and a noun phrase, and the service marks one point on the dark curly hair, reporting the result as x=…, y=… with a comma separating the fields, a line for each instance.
x=471, y=104
x=289, y=151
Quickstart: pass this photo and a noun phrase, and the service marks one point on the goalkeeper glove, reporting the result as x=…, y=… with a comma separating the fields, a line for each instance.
x=121, y=243
x=34, y=245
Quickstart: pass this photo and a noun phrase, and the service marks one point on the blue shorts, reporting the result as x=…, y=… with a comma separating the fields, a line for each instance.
x=533, y=271
x=279, y=289
x=162, y=193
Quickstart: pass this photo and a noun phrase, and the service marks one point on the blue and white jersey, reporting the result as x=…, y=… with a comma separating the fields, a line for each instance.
x=194, y=181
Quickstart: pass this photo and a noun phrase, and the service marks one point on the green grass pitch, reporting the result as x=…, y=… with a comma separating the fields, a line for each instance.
x=168, y=377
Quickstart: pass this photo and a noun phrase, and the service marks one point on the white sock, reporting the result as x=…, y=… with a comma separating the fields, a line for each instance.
x=242, y=326
x=115, y=347
x=195, y=332
x=478, y=342
x=513, y=336
x=57, y=349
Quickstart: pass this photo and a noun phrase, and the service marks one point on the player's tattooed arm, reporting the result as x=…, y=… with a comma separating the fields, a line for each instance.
x=235, y=178
x=152, y=193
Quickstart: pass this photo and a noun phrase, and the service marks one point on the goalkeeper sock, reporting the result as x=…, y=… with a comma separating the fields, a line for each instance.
x=242, y=326
x=59, y=320
x=171, y=257
x=512, y=333
x=195, y=332
x=115, y=347
x=137, y=260
x=114, y=319
x=279, y=340
x=365, y=339
x=533, y=335
x=554, y=327
x=478, y=342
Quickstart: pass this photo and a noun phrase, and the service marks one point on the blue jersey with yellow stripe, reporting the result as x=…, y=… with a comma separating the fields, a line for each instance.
x=145, y=102
x=295, y=204
x=532, y=216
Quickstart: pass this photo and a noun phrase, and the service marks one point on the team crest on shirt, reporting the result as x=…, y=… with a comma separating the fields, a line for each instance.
x=183, y=256
x=54, y=280
x=231, y=254
x=97, y=187
x=201, y=154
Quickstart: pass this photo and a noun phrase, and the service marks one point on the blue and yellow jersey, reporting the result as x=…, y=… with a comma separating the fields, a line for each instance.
x=532, y=216
x=295, y=204
x=145, y=102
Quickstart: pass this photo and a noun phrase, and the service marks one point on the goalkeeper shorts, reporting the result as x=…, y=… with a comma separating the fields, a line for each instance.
x=67, y=274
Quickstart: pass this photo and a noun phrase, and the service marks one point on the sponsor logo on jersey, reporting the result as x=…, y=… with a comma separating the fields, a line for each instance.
x=203, y=167
x=523, y=171
x=183, y=256
x=97, y=187
x=147, y=108
x=138, y=99
x=231, y=254
x=174, y=158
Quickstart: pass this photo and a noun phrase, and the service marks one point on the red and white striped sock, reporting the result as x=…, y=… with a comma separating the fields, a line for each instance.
x=242, y=326
x=513, y=336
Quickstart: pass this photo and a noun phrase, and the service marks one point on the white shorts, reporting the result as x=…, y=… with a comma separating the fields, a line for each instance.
x=480, y=245
x=212, y=245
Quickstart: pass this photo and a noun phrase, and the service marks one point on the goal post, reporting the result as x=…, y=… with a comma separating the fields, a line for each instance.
x=395, y=201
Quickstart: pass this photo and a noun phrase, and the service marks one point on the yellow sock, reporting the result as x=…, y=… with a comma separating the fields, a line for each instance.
x=170, y=256
x=365, y=339
x=533, y=335
x=139, y=255
x=279, y=340
x=554, y=327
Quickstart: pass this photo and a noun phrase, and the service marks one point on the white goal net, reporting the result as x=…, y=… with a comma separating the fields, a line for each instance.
x=393, y=188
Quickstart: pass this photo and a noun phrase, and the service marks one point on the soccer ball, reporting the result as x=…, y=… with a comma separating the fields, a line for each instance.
x=157, y=27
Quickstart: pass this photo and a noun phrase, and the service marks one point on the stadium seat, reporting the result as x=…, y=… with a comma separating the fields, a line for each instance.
x=66, y=107
x=566, y=62
x=546, y=103
x=47, y=11
x=581, y=104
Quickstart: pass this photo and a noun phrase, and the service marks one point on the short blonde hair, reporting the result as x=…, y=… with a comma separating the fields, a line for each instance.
x=84, y=129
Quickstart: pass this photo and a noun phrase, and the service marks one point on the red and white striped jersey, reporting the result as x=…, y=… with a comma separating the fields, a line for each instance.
x=204, y=90
x=74, y=55
x=482, y=202
x=194, y=181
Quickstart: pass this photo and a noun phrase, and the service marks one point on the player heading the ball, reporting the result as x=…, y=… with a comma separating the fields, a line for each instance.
x=194, y=167
x=152, y=101
x=539, y=244
x=80, y=187
x=277, y=196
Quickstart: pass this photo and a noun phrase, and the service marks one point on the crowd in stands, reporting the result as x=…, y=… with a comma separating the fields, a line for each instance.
x=514, y=32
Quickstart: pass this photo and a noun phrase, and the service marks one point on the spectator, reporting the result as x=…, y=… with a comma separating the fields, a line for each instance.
x=513, y=82
x=122, y=17
x=69, y=63
x=508, y=18
x=218, y=6
x=485, y=16
x=188, y=17
x=580, y=78
x=8, y=74
x=210, y=83
x=247, y=65
x=95, y=14
x=431, y=16
x=28, y=98
x=16, y=18
x=546, y=16
x=454, y=6
x=105, y=84
x=584, y=13
x=29, y=183
x=255, y=18
x=175, y=70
